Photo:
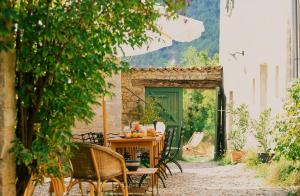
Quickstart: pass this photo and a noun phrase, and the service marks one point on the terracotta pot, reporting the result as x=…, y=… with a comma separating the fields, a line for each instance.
x=237, y=156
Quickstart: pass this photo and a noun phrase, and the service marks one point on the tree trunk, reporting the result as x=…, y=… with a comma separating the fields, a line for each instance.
x=23, y=178
x=22, y=132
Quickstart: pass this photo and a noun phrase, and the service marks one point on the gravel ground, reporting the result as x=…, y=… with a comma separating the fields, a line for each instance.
x=207, y=179
x=210, y=179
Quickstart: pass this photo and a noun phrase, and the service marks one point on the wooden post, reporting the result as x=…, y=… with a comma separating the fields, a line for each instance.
x=104, y=120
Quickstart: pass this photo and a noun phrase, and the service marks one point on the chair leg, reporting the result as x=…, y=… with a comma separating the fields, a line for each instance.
x=72, y=183
x=124, y=189
x=178, y=165
x=129, y=179
x=163, y=172
x=161, y=179
x=167, y=168
x=80, y=188
x=99, y=191
x=142, y=180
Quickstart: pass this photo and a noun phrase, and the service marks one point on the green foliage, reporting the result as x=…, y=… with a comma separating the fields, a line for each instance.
x=7, y=15
x=278, y=173
x=47, y=153
x=207, y=11
x=225, y=160
x=151, y=112
x=251, y=159
x=240, y=126
x=283, y=173
x=194, y=58
x=199, y=105
x=199, y=112
x=262, y=130
x=64, y=52
x=288, y=126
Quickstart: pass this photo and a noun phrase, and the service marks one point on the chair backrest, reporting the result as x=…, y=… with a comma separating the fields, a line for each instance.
x=90, y=137
x=82, y=162
x=176, y=141
x=92, y=161
x=160, y=127
x=97, y=138
x=171, y=132
x=195, y=140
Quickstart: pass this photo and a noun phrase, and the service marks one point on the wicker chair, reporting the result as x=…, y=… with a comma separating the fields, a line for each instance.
x=93, y=163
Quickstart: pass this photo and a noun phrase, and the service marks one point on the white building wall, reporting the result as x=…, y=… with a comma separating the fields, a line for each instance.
x=260, y=28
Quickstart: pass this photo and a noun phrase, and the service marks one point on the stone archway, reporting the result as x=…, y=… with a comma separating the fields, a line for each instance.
x=135, y=81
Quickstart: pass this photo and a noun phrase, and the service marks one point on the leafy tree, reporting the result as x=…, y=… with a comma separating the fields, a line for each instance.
x=64, y=52
x=288, y=126
x=194, y=58
x=199, y=105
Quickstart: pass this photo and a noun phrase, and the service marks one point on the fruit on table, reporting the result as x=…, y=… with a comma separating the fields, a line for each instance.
x=137, y=127
x=128, y=135
x=136, y=134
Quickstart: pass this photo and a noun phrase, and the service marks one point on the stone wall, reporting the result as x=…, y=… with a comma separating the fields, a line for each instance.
x=135, y=81
x=7, y=124
x=113, y=111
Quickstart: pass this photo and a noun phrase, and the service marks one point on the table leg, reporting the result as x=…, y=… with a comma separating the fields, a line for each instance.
x=152, y=185
x=151, y=155
x=113, y=147
x=157, y=184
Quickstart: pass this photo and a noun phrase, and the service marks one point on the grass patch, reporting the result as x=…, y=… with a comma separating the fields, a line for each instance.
x=251, y=159
x=278, y=173
x=195, y=159
x=225, y=160
x=283, y=173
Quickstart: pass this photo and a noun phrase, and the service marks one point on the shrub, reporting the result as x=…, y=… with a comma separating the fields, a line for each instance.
x=288, y=126
x=262, y=130
x=283, y=173
x=152, y=111
x=240, y=126
x=251, y=159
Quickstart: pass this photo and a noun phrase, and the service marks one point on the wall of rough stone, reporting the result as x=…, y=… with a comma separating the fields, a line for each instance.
x=7, y=124
x=135, y=81
x=113, y=111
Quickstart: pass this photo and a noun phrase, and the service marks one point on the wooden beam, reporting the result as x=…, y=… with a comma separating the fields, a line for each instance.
x=203, y=84
x=104, y=120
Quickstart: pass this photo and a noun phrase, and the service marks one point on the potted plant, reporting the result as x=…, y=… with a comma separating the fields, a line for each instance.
x=237, y=135
x=263, y=133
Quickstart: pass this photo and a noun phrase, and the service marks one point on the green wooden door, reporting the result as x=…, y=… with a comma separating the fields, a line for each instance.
x=171, y=99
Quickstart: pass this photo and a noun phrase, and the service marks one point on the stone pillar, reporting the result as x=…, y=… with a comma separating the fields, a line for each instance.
x=7, y=124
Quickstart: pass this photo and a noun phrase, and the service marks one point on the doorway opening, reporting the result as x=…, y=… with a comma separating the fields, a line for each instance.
x=199, y=119
x=195, y=111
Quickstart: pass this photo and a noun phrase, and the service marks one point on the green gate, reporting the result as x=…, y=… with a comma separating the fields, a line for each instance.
x=171, y=102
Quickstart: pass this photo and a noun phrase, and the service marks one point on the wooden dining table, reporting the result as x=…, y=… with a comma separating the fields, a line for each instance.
x=153, y=144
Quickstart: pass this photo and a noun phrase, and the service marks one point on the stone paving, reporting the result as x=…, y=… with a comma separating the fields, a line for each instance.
x=208, y=179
